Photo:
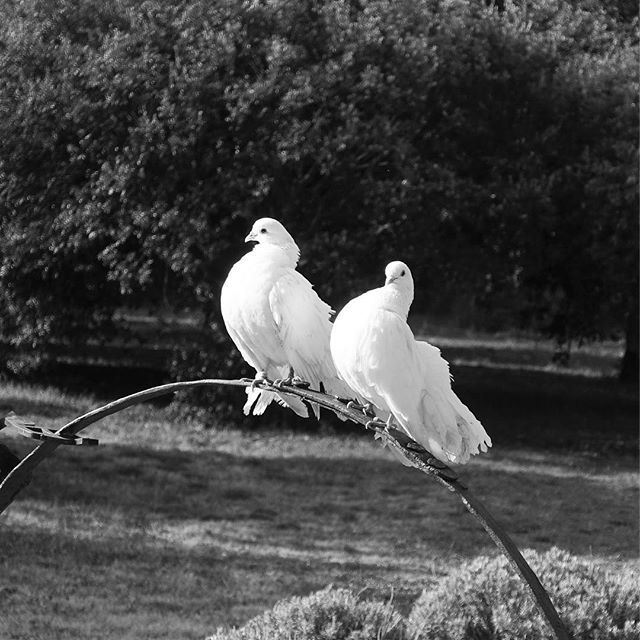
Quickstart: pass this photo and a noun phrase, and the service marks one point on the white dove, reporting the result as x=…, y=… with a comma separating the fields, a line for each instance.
x=377, y=355
x=275, y=318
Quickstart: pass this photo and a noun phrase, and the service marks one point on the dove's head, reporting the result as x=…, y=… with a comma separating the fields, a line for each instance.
x=399, y=282
x=270, y=233
x=397, y=272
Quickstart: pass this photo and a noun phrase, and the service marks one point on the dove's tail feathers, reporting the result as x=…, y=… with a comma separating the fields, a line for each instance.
x=259, y=399
x=298, y=406
x=447, y=428
x=295, y=404
x=469, y=436
x=459, y=432
x=474, y=437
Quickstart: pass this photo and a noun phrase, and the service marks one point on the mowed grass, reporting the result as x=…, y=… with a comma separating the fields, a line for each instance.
x=171, y=528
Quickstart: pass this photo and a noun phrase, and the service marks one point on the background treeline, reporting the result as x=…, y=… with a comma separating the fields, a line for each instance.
x=493, y=150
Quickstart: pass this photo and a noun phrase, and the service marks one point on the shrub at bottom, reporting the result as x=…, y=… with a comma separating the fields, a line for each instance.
x=330, y=614
x=486, y=600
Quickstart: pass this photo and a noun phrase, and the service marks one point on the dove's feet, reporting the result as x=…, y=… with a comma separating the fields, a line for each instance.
x=297, y=381
x=368, y=411
x=292, y=380
x=375, y=423
x=279, y=382
x=367, y=408
x=261, y=376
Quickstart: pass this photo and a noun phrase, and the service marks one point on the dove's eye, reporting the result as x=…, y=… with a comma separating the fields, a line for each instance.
x=263, y=231
x=402, y=272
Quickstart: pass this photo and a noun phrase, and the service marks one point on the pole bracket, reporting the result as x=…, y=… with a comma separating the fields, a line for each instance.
x=29, y=429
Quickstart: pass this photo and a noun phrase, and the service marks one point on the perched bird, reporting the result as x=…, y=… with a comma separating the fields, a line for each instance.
x=377, y=355
x=275, y=318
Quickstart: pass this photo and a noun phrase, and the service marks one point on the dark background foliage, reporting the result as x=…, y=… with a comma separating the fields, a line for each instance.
x=492, y=150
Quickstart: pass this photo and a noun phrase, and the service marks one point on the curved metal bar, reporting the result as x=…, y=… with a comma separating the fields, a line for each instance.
x=412, y=451
x=424, y=460
x=20, y=475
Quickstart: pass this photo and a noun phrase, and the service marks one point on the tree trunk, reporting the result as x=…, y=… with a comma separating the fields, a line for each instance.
x=497, y=3
x=630, y=363
x=8, y=460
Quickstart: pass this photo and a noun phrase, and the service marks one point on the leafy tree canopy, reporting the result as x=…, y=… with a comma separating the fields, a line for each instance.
x=494, y=151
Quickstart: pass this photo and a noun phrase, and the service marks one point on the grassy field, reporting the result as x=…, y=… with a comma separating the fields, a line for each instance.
x=171, y=528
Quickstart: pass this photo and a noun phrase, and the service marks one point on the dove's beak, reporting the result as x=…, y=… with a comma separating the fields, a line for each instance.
x=390, y=279
x=251, y=237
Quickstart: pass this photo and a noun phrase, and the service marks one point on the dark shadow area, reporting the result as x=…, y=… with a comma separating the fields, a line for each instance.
x=43, y=408
x=105, y=382
x=301, y=500
x=537, y=410
x=552, y=412
x=118, y=538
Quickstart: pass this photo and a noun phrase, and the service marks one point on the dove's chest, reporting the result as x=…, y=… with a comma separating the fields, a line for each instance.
x=245, y=297
x=366, y=342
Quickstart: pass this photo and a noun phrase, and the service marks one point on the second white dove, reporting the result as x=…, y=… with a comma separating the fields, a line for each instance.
x=377, y=355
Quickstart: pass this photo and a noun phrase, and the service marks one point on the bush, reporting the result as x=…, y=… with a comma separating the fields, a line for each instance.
x=330, y=614
x=486, y=600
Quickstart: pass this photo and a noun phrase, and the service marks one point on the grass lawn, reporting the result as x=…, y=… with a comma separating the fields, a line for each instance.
x=170, y=529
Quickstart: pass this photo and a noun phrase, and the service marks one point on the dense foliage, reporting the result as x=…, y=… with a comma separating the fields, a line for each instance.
x=486, y=599
x=483, y=600
x=330, y=614
x=494, y=151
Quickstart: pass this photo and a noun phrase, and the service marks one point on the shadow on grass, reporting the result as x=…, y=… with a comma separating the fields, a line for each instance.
x=44, y=408
x=313, y=503
x=110, y=541
x=536, y=410
x=106, y=382
x=552, y=412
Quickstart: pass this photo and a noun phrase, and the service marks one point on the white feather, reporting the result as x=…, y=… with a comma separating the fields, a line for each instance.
x=376, y=353
x=277, y=320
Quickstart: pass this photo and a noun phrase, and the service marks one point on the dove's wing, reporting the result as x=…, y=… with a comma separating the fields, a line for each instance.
x=244, y=303
x=411, y=380
x=468, y=437
x=304, y=328
x=391, y=370
x=277, y=321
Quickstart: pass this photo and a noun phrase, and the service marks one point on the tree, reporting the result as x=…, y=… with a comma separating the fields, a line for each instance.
x=492, y=150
